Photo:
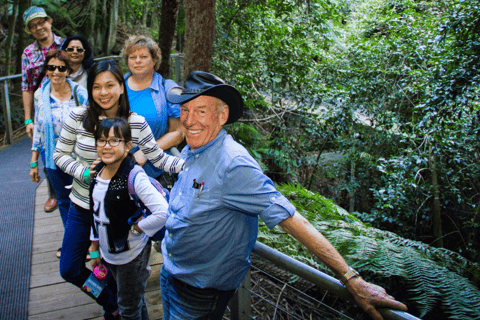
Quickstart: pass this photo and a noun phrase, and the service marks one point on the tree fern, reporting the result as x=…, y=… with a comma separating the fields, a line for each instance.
x=433, y=277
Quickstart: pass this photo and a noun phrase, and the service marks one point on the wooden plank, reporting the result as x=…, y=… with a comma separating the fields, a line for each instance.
x=46, y=302
x=50, y=220
x=87, y=311
x=48, y=237
x=38, y=258
x=39, y=248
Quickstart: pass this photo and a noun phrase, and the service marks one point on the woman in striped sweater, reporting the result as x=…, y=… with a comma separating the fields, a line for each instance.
x=76, y=154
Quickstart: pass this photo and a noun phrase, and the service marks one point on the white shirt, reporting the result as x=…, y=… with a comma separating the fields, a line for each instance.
x=152, y=199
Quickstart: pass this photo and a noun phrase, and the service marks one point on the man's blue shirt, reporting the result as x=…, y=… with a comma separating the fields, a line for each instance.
x=209, y=237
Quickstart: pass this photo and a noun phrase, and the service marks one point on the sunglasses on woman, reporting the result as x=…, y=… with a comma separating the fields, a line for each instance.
x=51, y=67
x=79, y=50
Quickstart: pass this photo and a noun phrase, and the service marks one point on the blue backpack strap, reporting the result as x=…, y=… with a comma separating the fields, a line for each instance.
x=142, y=210
x=131, y=190
x=131, y=181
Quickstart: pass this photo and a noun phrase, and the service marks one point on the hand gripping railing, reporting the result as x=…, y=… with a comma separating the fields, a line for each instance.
x=239, y=305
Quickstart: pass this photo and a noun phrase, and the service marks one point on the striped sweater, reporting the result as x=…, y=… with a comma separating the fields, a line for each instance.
x=75, y=151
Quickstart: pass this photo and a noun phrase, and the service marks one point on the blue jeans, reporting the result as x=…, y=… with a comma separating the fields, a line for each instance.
x=51, y=193
x=76, y=241
x=184, y=302
x=132, y=282
x=59, y=180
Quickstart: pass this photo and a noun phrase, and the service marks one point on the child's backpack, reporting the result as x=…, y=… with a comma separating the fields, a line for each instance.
x=142, y=208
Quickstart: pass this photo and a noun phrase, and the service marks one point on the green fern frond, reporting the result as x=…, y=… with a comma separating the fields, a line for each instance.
x=434, y=277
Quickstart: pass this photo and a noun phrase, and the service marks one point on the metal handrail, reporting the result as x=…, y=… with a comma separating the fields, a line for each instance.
x=313, y=275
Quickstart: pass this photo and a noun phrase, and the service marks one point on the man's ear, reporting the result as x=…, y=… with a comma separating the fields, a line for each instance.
x=223, y=116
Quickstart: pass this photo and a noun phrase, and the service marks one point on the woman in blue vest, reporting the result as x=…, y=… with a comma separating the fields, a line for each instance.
x=147, y=95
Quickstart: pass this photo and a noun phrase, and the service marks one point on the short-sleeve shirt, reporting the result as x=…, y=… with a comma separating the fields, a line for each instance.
x=33, y=58
x=152, y=104
x=210, y=234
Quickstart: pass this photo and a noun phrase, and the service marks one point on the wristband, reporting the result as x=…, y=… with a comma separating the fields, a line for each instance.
x=86, y=176
x=351, y=273
x=94, y=254
x=33, y=164
x=28, y=121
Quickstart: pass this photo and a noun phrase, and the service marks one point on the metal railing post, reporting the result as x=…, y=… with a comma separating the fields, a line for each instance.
x=7, y=116
x=241, y=301
x=178, y=68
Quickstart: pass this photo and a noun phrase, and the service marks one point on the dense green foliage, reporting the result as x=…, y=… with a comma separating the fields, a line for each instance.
x=373, y=103
x=392, y=86
x=424, y=277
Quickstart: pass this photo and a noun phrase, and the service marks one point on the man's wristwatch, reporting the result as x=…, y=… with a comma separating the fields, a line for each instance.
x=134, y=231
x=351, y=273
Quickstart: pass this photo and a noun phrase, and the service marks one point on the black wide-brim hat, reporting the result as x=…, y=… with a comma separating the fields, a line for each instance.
x=201, y=83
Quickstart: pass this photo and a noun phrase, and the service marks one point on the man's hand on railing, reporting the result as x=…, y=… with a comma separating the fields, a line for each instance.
x=370, y=296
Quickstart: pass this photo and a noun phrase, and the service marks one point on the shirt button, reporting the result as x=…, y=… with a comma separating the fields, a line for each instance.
x=170, y=255
x=186, y=169
x=171, y=235
x=273, y=198
x=179, y=193
x=196, y=156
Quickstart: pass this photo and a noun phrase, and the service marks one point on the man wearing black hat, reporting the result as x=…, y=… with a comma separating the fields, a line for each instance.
x=212, y=222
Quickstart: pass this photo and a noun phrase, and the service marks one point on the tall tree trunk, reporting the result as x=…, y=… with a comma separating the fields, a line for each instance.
x=351, y=194
x=199, y=35
x=9, y=41
x=102, y=31
x=112, y=27
x=436, y=218
x=91, y=24
x=23, y=5
x=145, y=14
x=122, y=12
x=166, y=33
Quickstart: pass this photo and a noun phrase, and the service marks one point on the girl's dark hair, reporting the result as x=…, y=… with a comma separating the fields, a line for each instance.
x=88, y=53
x=91, y=121
x=121, y=128
x=53, y=53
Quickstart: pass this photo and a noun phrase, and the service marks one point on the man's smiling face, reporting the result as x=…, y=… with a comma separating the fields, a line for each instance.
x=202, y=119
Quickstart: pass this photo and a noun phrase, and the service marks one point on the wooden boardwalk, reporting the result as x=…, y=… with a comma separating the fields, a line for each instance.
x=53, y=298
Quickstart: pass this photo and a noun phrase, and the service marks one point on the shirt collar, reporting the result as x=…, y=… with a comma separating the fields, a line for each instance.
x=56, y=40
x=221, y=135
x=154, y=85
x=155, y=80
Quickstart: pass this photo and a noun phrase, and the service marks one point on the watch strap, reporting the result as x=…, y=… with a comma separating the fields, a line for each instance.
x=351, y=273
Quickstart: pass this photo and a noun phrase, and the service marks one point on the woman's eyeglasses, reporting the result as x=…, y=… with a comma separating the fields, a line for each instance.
x=70, y=50
x=51, y=67
x=112, y=143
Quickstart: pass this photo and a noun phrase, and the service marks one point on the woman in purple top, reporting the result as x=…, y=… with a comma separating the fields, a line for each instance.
x=147, y=95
